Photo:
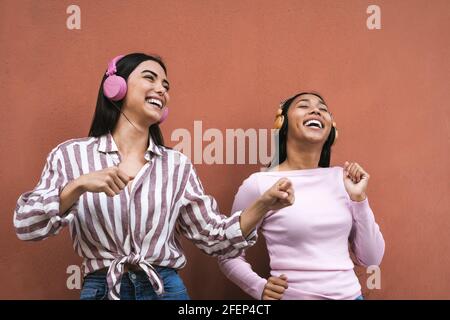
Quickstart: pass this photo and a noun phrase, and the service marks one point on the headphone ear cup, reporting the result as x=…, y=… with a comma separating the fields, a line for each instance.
x=115, y=88
x=279, y=120
x=164, y=115
x=335, y=135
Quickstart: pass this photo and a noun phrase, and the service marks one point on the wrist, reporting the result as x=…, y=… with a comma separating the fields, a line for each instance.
x=260, y=207
x=358, y=197
x=78, y=186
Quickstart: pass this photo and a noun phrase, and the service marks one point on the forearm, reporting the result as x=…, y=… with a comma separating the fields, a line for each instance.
x=240, y=272
x=41, y=213
x=368, y=242
x=252, y=216
x=70, y=194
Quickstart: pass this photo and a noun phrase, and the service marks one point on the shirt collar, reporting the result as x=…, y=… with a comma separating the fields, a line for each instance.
x=106, y=144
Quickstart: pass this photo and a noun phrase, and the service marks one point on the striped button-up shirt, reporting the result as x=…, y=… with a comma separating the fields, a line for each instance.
x=137, y=226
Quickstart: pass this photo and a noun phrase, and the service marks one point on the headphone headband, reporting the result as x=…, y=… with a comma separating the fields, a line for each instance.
x=112, y=69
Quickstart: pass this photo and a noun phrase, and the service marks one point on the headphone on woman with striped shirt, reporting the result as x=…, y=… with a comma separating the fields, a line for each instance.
x=115, y=86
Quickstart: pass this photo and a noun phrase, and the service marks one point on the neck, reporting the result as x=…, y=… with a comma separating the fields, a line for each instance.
x=302, y=156
x=130, y=140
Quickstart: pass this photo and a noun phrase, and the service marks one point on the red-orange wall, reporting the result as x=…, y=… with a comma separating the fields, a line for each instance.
x=230, y=64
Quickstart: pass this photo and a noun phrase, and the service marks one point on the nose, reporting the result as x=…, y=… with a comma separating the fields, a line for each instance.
x=160, y=89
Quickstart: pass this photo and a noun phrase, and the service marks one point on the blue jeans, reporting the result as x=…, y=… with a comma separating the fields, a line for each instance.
x=136, y=286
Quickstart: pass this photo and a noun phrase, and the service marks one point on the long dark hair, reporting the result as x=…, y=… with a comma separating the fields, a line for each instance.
x=107, y=113
x=325, y=155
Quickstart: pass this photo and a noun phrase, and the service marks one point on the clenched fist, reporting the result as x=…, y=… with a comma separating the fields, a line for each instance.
x=110, y=181
x=275, y=287
x=280, y=195
x=355, y=181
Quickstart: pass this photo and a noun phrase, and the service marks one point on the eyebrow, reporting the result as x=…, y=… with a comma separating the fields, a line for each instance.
x=156, y=76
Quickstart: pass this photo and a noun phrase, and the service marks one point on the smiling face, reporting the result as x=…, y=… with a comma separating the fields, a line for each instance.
x=147, y=93
x=309, y=120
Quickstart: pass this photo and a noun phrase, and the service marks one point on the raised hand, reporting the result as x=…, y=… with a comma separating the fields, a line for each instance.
x=355, y=181
x=280, y=195
x=110, y=181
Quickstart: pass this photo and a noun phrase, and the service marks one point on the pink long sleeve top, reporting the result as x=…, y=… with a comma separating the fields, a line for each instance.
x=309, y=241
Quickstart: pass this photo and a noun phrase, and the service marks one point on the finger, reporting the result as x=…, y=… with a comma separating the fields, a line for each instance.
x=276, y=288
x=289, y=191
x=359, y=174
x=109, y=192
x=284, y=185
x=346, y=164
x=354, y=169
x=112, y=185
x=356, y=173
x=272, y=294
x=280, y=182
x=119, y=183
x=123, y=176
x=284, y=279
x=277, y=285
x=347, y=170
x=280, y=282
x=291, y=199
x=351, y=171
x=364, y=172
x=279, y=195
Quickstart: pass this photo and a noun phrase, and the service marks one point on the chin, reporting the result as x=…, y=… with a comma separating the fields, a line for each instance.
x=152, y=117
x=314, y=139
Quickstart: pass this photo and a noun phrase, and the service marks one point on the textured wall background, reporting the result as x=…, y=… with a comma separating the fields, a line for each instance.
x=230, y=64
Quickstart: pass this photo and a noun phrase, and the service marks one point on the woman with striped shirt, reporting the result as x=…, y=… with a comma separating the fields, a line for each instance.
x=126, y=198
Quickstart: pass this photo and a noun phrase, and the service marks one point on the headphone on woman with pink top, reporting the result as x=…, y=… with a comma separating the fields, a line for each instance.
x=279, y=117
x=115, y=86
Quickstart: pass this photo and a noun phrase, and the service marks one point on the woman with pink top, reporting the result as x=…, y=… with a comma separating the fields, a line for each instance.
x=308, y=242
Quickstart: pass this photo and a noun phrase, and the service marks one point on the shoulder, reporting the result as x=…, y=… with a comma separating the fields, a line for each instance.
x=251, y=184
x=67, y=145
x=175, y=154
x=247, y=193
x=76, y=142
x=333, y=175
x=176, y=160
x=336, y=171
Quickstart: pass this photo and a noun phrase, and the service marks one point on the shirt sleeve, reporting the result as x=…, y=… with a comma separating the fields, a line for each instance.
x=366, y=239
x=202, y=223
x=37, y=214
x=238, y=270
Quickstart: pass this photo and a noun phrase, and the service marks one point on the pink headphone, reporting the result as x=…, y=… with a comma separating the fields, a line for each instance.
x=115, y=87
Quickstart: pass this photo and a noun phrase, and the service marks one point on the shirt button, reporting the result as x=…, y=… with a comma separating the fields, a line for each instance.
x=133, y=276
